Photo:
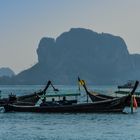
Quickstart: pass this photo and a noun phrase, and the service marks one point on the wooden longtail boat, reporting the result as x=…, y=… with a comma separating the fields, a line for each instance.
x=94, y=96
x=30, y=99
x=110, y=105
x=100, y=97
x=107, y=105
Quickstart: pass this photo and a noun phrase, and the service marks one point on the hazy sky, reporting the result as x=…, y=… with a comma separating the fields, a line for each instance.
x=24, y=22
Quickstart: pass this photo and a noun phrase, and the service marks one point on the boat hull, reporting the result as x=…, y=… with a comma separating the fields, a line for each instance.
x=111, y=105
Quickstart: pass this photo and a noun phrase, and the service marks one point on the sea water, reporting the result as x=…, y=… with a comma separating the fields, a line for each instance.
x=92, y=126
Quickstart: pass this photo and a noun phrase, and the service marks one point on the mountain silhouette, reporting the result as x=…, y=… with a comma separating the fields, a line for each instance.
x=100, y=58
x=6, y=72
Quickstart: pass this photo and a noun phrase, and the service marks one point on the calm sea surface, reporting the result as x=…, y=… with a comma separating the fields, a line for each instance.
x=32, y=126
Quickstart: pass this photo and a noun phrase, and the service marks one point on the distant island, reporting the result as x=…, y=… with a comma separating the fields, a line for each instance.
x=6, y=72
x=99, y=58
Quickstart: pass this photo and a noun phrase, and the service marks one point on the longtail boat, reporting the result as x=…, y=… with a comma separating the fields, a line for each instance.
x=94, y=96
x=114, y=105
x=108, y=105
x=30, y=99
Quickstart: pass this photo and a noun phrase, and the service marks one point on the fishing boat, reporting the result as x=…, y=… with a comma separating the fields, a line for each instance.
x=30, y=99
x=94, y=96
x=71, y=106
x=99, y=105
x=110, y=105
x=128, y=85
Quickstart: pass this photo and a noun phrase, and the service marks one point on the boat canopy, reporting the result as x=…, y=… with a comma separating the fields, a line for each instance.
x=62, y=94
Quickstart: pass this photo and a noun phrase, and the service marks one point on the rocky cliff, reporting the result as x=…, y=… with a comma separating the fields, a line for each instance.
x=99, y=58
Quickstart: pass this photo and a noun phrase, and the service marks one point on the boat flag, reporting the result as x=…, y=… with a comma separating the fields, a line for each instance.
x=81, y=82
